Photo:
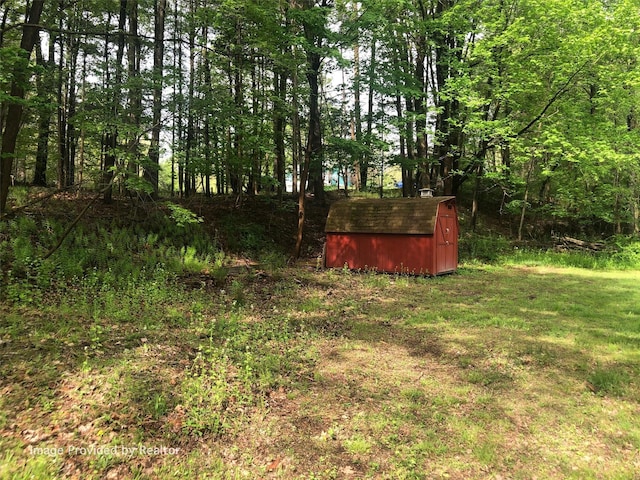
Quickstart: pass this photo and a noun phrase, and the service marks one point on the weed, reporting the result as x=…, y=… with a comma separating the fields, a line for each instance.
x=485, y=452
x=159, y=404
x=488, y=377
x=611, y=380
x=238, y=295
x=272, y=261
x=357, y=445
x=208, y=395
x=34, y=467
x=414, y=395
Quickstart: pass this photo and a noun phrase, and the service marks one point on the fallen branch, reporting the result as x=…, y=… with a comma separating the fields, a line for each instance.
x=575, y=244
x=37, y=200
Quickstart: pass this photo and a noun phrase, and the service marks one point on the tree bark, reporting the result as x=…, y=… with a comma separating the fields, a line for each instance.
x=296, y=134
x=151, y=173
x=313, y=154
x=280, y=95
x=44, y=86
x=359, y=164
x=110, y=137
x=15, y=108
x=190, y=140
x=134, y=47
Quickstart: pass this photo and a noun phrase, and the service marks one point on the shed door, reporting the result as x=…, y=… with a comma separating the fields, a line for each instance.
x=447, y=241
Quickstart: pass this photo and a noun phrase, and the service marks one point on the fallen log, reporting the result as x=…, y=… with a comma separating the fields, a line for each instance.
x=574, y=243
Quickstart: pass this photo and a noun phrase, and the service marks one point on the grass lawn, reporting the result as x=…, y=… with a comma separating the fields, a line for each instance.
x=493, y=372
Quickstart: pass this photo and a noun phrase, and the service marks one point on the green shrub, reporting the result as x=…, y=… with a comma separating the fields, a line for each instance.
x=627, y=252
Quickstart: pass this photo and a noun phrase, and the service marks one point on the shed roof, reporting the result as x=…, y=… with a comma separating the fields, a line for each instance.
x=390, y=215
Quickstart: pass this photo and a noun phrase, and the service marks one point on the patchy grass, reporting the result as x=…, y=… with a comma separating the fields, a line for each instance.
x=512, y=372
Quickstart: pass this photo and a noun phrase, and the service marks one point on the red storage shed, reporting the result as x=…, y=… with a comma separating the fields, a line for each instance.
x=399, y=235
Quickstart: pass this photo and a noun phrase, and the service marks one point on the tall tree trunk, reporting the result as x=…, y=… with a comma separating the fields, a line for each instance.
x=236, y=168
x=400, y=54
x=178, y=147
x=312, y=168
x=254, y=172
x=110, y=138
x=151, y=172
x=296, y=134
x=61, y=101
x=188, y=167
x=81, y=140
x=447, y=151
x=3, y=107
x=71, y=138
x=15, y=108
x=280, y=95
x=208, y=148
x=364, y=164
x=523, y=211
x=313, y=154
x=134, y=47
x=420, y=109
x=44, y=86
x=360, y=161
x=315, y=34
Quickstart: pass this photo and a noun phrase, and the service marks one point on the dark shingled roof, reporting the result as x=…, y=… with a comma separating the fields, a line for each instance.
x=390, y=215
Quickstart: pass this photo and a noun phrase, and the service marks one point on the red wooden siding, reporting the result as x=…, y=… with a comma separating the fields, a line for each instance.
x=446, y=248
x=429, y=253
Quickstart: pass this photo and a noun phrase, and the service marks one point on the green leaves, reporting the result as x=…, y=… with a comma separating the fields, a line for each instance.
x=182, y=216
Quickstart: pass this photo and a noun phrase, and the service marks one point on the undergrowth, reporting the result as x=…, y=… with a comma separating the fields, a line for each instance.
x=282, y=372
x=619, y=252
x=100, y=255
x=237, y=368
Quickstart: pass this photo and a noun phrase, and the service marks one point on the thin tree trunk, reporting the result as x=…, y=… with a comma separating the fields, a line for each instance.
x=302, y=205
x=81, y=140
x=254, y=172
x=526, y=198
x=62, y=104
x=111, y=134
x=360, y=162
x=207, y=123
x=180, y=104
x=44, y=86
x=313, y=153
x=71, y=140
x=296, y=134
x=188, y=168
x=420, y=109
x=409, y=175
x=474, y=202
x=280, y=94
x=134, y=47
x=151, y=173
x=365, y=163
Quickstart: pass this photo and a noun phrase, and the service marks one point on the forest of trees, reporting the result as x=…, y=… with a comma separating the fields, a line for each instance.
x=532, y=101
